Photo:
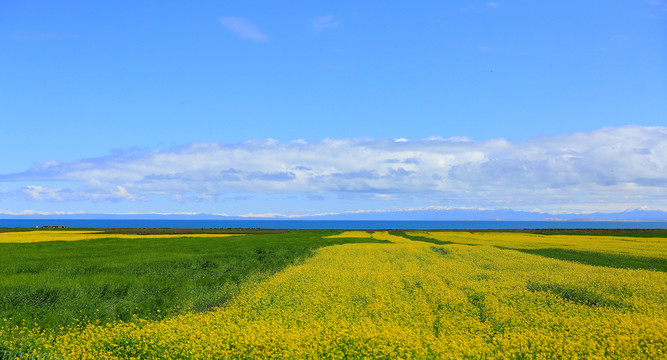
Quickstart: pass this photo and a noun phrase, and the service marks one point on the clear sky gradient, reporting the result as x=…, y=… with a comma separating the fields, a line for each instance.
x=168, y=106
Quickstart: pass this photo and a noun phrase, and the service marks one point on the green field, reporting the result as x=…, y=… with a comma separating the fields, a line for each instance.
x=293, y=294
x=60, y=283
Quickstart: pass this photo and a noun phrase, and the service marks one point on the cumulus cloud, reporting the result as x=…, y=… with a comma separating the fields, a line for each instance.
x=40, y=193
x=35, y=212
x=610, y=165
x=105, y=192
x=243, y=28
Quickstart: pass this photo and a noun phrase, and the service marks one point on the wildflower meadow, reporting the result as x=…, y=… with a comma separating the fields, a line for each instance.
x=336, y=295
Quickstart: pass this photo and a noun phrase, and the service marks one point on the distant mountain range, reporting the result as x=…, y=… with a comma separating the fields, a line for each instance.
x=501, y=214
x=421, y=214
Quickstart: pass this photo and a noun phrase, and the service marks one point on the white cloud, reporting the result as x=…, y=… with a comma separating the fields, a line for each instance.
x=324, y=22
x=36, y=212
x=99, y=192
x=41, y=193
x=243, y=28
x=625, y=165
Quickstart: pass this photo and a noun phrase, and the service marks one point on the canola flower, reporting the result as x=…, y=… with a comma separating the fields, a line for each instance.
x=75, y=235
x=352, y=234
x=405, y=300
x=632, y=246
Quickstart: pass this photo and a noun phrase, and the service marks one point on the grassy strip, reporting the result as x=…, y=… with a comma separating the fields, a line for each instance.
x=54, y=284
x=173, y=231
x=576, y=294
x=158, y=231
x=587, y=257
x=599, y=259
x=422, y=238
x=11, y=229
x=14, y=355
x=641, y=233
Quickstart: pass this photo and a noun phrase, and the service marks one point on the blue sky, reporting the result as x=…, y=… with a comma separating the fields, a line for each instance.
x=242, y=107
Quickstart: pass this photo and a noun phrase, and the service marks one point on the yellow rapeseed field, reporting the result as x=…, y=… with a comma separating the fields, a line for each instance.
x=379, y=235
x=74, y=235
x=633, y=246
x=412, y=300
x=351, y=234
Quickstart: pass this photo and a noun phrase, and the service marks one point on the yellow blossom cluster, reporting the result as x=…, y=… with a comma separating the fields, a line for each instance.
x=407, y=300
x=652, y=247
x=352, y=234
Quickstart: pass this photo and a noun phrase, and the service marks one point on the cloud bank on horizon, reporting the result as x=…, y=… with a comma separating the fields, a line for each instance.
x=609, y=169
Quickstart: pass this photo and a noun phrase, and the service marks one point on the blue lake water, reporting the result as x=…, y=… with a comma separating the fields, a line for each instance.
x=334, y=224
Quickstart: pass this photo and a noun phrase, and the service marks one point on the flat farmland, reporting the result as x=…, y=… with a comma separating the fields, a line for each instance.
x=336, y=295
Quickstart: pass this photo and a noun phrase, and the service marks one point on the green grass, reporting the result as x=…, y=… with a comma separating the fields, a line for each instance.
x=54, y=284
x=420, y=238
x=580, y=256
x=576, y=294
x=10, y=229
x=13, y=355
x=158, y=231
x=599, y=259
x=176, y=231
x=641, y=233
